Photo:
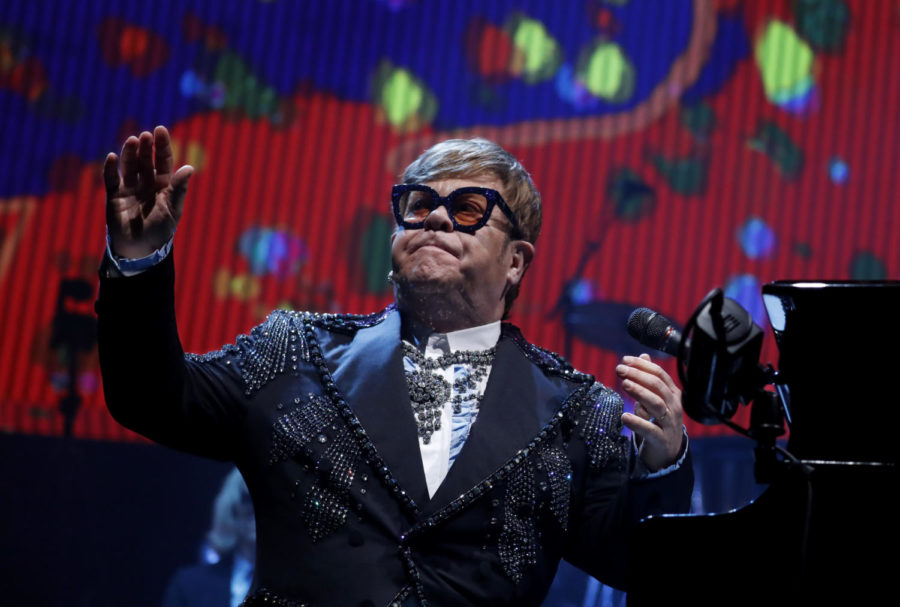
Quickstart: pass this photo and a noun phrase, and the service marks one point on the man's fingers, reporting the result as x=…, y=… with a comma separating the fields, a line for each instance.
x=657, y=413
x=145, y=162
x=642, y=379
x=643, y=428
x=645, y=364
x=130, y=162
x=162, y=143
x=650, y=402
x=179, y=189
x=111, y=174
x=659, y=447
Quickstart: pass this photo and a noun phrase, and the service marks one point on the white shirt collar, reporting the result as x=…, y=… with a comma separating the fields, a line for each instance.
x=478, y=338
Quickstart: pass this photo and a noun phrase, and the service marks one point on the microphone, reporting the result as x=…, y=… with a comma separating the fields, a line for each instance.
x=721, y=349
x=654, y=330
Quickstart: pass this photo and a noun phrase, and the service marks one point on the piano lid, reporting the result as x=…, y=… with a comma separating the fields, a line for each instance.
x=839, y=352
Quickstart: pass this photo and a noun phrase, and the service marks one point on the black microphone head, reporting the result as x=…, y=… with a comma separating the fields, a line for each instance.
x=650, y=328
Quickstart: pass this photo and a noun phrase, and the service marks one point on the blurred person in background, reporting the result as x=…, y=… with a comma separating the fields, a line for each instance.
x=229, y=553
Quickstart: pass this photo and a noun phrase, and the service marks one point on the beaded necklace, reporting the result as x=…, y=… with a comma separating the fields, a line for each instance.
x=428, y=391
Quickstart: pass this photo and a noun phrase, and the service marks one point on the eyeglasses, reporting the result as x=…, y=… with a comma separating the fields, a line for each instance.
x=469, y=208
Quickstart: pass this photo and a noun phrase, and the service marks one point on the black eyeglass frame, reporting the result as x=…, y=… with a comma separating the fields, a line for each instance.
x=493, y=198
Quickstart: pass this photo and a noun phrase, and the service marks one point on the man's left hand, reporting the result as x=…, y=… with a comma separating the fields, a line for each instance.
x=658, y=416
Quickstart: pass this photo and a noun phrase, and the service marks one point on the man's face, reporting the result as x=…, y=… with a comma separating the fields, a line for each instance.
x=471, y=270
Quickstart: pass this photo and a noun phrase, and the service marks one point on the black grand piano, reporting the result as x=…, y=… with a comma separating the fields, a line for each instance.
x=824, y=532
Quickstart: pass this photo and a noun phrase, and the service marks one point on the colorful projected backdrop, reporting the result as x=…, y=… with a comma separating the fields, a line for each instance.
x=679, y=146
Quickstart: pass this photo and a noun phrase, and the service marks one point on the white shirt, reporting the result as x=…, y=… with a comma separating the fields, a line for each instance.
x=436, y=459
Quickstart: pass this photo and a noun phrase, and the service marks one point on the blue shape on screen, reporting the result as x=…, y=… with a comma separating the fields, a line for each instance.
x=581, y=292
x=271, y=251
x=838, y=170
x=757, y=239
x=570, y=89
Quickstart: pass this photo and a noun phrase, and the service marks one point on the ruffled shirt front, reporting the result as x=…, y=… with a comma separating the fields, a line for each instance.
x=467, y=384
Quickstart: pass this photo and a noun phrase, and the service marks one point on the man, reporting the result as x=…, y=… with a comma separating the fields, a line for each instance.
x=224, y=577
x=423, y=455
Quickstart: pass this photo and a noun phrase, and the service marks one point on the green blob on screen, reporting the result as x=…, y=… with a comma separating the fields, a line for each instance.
x=243, y=90
x=539, y=52
x=823, y=23
x=631, y=196
x=699, y=119
x=866, y=266
x=778, y=146
x=785, y=62
x=686, y=176
x=607, y=73
x=405, y=99
x=375, y=255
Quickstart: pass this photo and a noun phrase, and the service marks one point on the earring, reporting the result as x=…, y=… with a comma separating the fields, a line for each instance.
x=390, y=277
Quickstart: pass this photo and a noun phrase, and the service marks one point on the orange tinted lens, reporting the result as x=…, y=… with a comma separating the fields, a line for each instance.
x=418, y=205
x=469, y=208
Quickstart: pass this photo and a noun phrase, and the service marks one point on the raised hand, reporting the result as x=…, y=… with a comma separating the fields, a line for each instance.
x=145, y=202
x=658, y=415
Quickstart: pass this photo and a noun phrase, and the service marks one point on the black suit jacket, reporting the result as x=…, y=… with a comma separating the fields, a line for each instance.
x=314, y=410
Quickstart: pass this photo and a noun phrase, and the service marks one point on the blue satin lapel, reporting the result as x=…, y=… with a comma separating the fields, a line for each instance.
x=369, y=372
x=518, y=402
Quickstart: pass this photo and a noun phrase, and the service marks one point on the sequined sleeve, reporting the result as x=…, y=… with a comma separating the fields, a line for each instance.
x=273, y=348
x=610, y=499
x=601, y=428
